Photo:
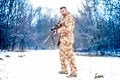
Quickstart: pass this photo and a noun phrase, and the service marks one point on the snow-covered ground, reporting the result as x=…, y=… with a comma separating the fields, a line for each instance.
x=45, y=64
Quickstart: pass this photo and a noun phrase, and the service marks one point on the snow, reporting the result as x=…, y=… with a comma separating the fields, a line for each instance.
x=45, y=64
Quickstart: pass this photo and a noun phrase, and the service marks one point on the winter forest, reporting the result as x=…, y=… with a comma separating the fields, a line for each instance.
x=97, y=26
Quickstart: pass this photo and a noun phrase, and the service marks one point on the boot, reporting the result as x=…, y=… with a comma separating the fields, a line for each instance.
x=72, y=75
x=62, y=72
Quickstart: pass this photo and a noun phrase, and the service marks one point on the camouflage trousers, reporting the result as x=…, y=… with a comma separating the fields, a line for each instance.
x=67, y=57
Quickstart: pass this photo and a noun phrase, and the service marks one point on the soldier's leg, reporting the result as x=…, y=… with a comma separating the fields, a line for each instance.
x=71, y=61
x=63, y=59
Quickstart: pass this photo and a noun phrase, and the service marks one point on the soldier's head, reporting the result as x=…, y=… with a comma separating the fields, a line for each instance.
x=63, y=10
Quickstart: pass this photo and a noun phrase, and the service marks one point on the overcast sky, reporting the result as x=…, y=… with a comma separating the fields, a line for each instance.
x=56, y=4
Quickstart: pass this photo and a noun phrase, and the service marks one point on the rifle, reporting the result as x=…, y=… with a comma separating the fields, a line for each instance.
x=53, y=29
x=57, y=26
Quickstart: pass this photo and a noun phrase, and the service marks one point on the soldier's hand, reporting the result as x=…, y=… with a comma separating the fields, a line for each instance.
x=59, y=24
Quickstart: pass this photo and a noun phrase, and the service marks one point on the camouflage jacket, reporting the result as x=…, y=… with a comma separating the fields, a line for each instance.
x=66, y=31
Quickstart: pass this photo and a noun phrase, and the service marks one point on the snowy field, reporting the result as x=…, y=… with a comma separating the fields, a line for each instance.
x=45, y=64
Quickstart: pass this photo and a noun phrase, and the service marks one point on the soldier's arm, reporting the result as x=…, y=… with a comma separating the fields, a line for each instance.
x=69, y=23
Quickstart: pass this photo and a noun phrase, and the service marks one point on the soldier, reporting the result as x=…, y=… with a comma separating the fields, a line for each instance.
x=66, y=43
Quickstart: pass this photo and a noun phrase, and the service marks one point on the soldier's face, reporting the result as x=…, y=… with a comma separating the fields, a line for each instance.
x=63, y=11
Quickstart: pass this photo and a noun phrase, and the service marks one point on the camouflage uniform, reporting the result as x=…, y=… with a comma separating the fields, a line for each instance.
x=66, y=44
